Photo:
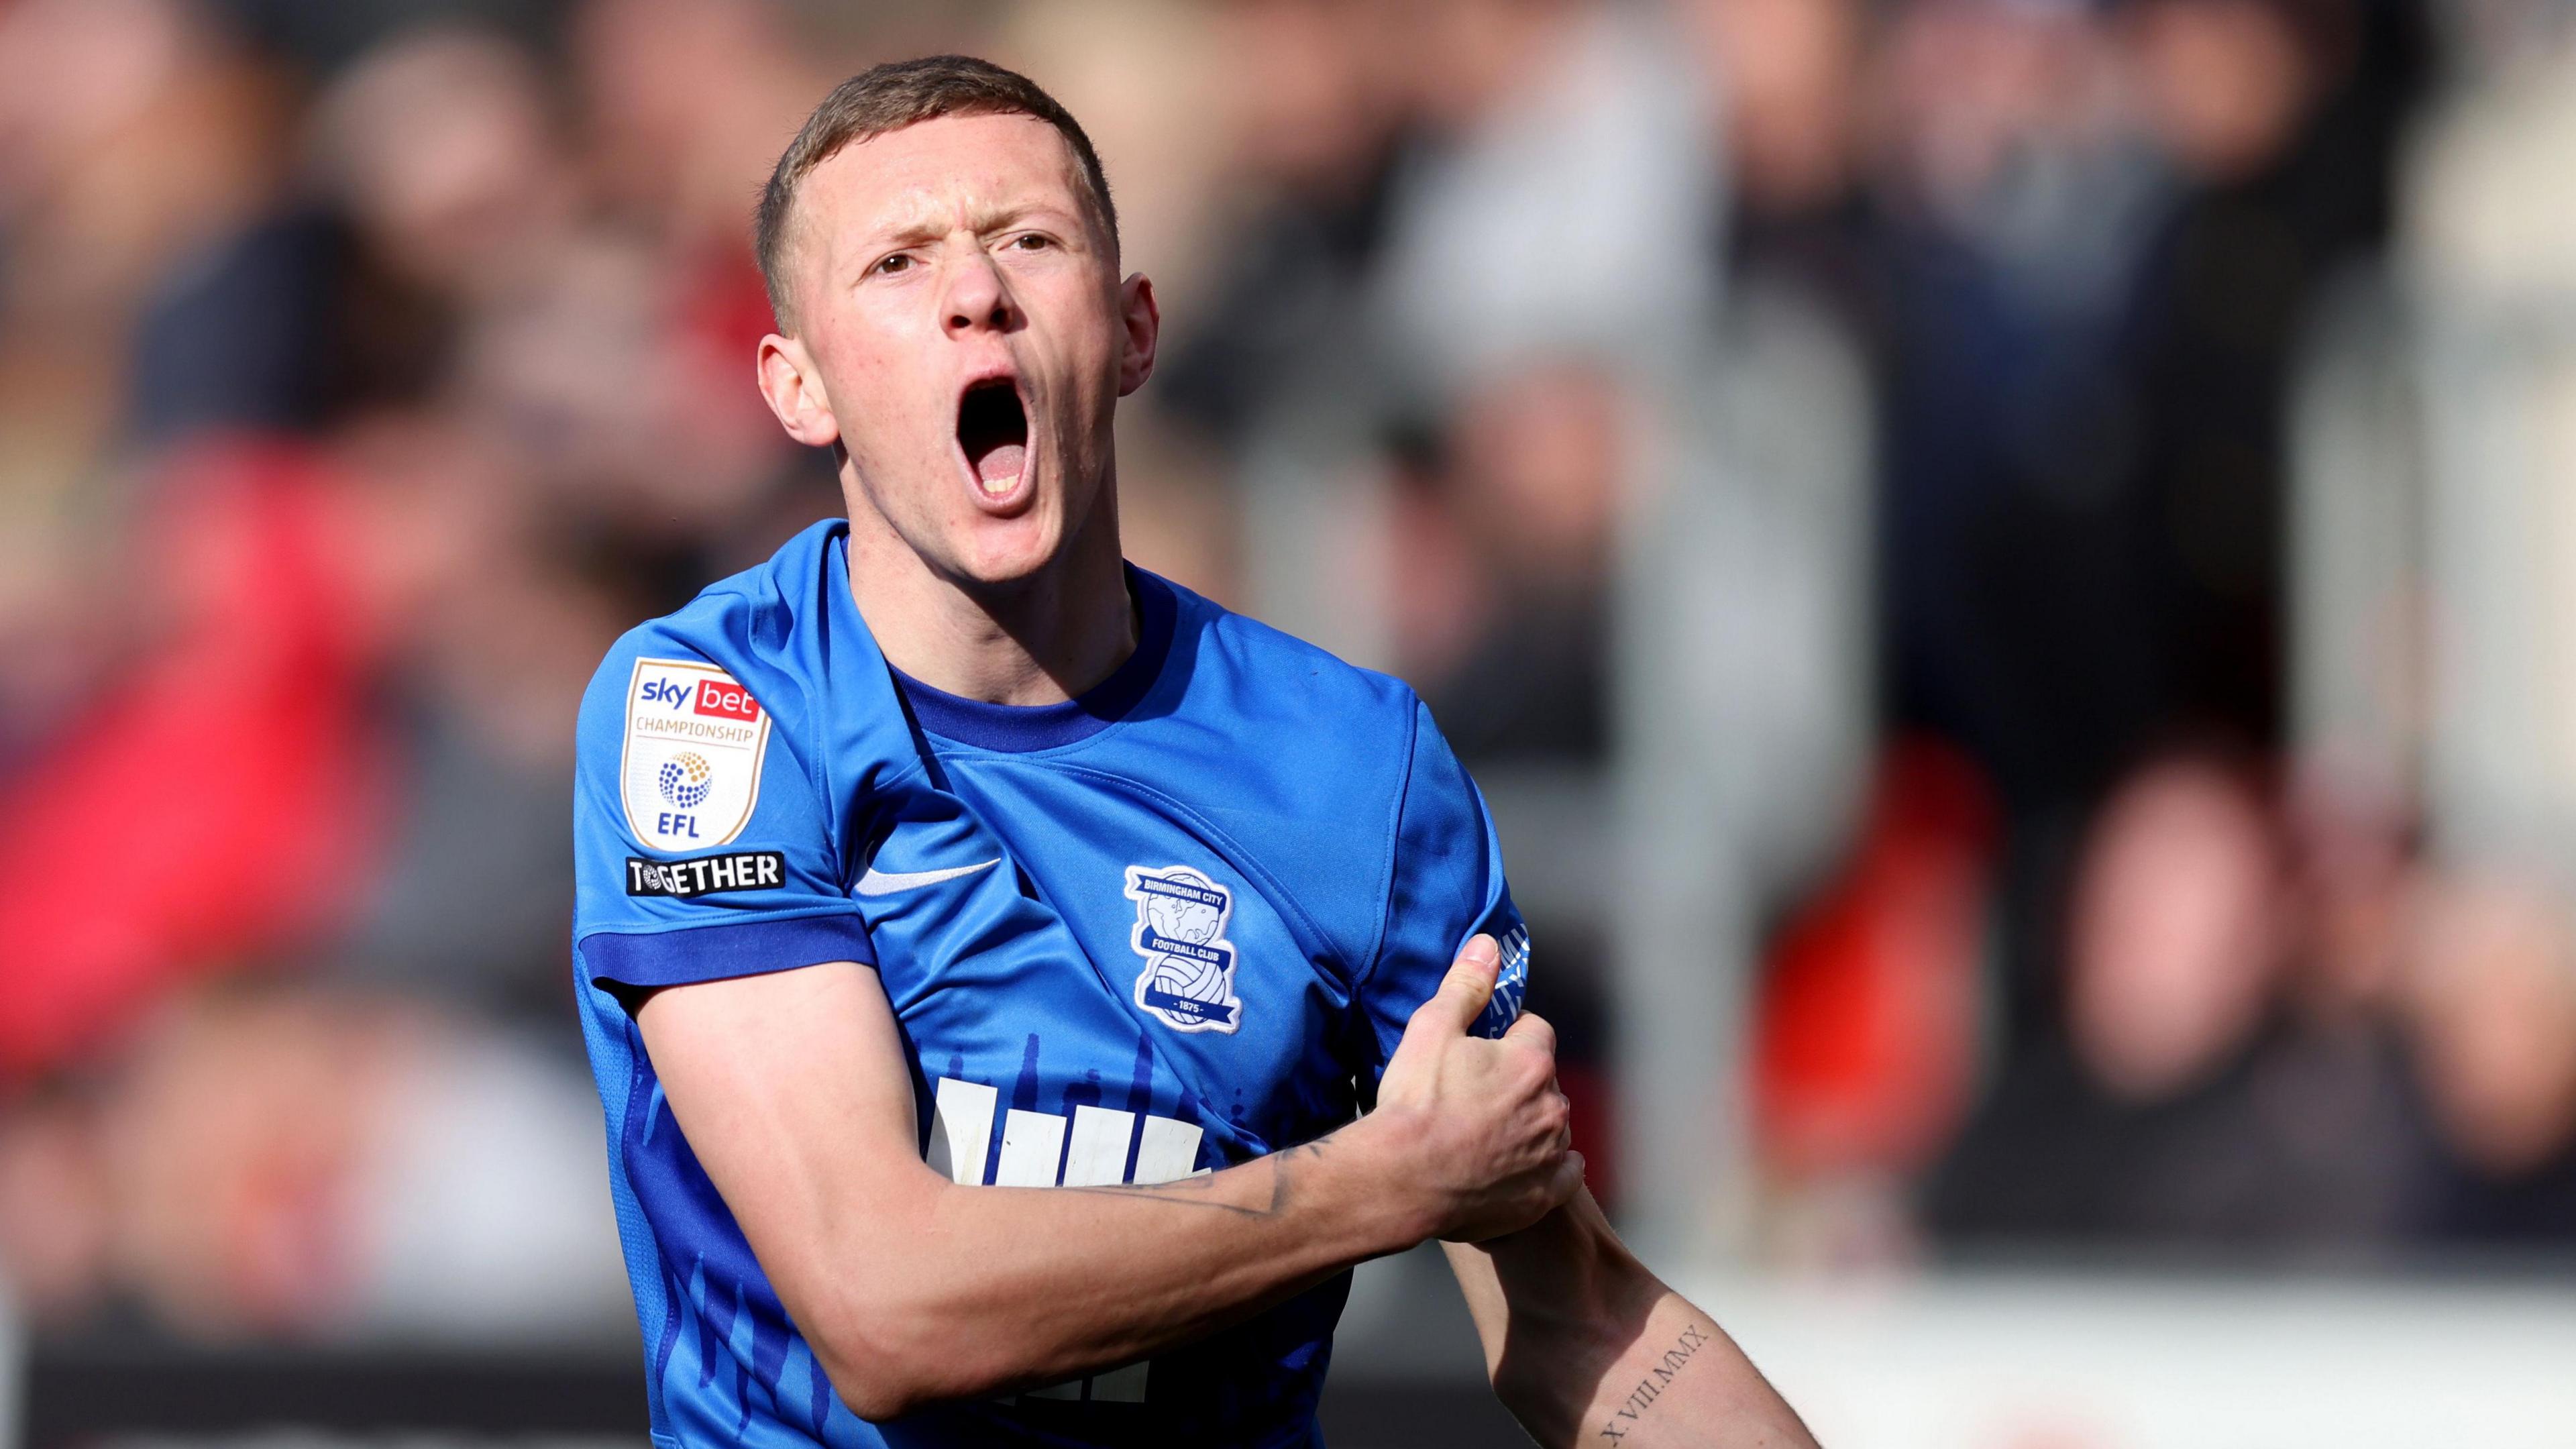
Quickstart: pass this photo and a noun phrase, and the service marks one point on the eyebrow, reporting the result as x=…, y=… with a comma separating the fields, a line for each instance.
x=931, y=222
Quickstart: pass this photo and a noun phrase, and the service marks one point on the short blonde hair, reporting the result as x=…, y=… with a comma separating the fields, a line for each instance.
x=890, y=97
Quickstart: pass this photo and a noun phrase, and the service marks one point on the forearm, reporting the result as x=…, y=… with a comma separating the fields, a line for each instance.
x=1587, y=1347
x=791, y=1088
x=974, y=1290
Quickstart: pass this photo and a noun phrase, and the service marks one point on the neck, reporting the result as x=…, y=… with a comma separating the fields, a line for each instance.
x=1039, y=640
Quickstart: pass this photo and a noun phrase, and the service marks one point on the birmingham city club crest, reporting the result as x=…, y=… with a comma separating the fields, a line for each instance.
x=1188, y=980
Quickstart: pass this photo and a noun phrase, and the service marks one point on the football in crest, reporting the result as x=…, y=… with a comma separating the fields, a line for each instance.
x=1188, y=980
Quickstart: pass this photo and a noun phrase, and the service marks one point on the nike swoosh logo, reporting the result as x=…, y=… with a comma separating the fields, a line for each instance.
x=890, y=882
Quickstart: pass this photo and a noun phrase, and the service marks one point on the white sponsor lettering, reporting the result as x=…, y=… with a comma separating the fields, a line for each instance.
x=961, y=1130
x=1036, y=1153
x=1098, y=1155
x=1167, y=1151
x=1032, y=1146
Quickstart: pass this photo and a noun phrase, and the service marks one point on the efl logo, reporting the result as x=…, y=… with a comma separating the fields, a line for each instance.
x=727, y=700
x=690, y=776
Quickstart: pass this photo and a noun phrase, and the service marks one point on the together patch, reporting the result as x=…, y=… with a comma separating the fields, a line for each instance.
x=742, y=870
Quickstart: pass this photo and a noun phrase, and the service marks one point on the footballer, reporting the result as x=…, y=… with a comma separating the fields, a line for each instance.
x=1020, y=989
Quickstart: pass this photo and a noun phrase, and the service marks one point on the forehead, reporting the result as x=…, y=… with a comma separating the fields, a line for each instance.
x=927, y=172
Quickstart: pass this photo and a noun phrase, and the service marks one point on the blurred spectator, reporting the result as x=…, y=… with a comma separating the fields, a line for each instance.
x=632, y=351
x=1789, y=81
x=312, y=715
x=446, y=151
x=2491, y=1003
x=1323, y=116
x=2188, y=1111
x=1865, y=1034
x=496, y=637
x=1557, y=204
x=1527, y=495
x=1794, y=113
x=2177, y=931
x=2435, y=504
x=135, y=140
x=292, y=1164
x=2105, y=233
x=687, y=104
x=2016, y=624
x=215, y=804
x=600, y=384
x=433, y=174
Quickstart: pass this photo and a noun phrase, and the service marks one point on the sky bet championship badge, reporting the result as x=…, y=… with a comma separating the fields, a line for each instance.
x=1188, y=981
x=694, y=740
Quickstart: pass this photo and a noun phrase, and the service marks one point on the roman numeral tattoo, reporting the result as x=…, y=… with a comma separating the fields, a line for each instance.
x=1658, y=1377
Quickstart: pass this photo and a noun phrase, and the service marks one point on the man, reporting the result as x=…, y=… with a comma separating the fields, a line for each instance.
x=946, y=857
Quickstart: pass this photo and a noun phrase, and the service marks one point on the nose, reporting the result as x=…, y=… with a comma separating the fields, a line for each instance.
x=977, y=298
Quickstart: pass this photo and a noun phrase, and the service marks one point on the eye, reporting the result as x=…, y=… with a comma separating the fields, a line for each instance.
x=893, y=264
x=1031, y=242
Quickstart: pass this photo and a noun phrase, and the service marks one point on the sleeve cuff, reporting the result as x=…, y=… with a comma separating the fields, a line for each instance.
x=721, y=952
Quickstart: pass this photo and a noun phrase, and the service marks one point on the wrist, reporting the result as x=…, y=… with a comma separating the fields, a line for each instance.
x=1397, y=1208
x=1573, y=1264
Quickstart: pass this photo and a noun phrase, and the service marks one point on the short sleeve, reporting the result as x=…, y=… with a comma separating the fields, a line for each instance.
x=701, y=840
x=1446, y=884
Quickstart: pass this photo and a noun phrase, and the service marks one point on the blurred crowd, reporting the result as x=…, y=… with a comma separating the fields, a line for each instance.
x=366, y=367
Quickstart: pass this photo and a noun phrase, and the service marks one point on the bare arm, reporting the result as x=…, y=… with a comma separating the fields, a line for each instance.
x=794, y=1092
x=1586, y=1347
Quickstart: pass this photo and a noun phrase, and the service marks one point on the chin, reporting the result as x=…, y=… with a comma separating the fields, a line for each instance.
x=1002, y=552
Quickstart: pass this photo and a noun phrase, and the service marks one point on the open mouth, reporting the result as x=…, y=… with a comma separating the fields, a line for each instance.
x=993, y=429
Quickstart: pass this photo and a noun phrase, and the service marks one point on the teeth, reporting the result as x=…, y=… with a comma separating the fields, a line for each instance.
x=997, y=487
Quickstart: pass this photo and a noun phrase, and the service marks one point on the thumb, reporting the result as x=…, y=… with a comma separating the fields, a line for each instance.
x=1463, y=992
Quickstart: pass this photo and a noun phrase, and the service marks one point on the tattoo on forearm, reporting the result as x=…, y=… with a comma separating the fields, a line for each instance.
x=1193, y=1191
x=1650, y=1388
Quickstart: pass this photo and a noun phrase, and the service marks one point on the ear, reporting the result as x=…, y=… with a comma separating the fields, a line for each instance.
x=1142, y=320
x=793, y=387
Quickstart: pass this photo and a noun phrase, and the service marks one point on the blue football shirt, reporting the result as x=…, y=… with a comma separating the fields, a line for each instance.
x=1161, y=929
